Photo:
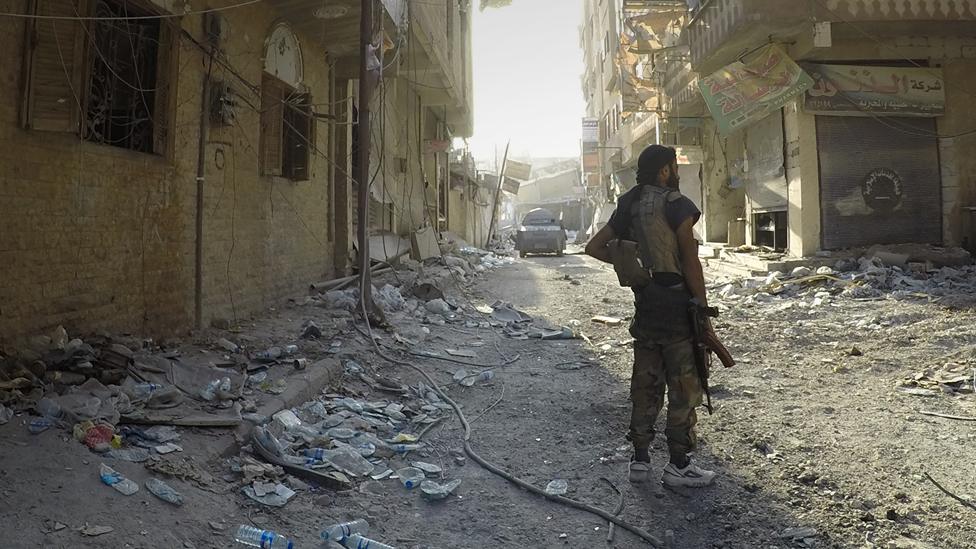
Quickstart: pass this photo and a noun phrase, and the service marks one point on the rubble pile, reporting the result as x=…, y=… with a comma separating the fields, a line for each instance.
x=876, y=276
x=339, y=441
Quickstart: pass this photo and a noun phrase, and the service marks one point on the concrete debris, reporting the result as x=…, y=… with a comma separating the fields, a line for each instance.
x=875, y=276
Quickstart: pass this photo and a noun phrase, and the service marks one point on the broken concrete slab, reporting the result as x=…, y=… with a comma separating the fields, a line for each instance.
x=423, y=244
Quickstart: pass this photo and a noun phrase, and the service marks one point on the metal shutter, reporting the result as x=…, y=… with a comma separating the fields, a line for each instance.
x=879, y=181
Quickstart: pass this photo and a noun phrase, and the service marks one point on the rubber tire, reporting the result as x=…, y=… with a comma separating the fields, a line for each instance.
x=522, y=254
x=559, y=253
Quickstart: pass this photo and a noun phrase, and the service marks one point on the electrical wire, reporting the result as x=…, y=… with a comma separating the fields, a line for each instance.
x=128, y=18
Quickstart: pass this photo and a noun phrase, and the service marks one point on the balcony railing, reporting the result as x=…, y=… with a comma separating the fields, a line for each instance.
x=723, y=29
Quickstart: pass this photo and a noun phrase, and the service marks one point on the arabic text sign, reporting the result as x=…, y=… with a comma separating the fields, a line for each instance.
x=866, y=91
x=518, y=170
x=744, y=92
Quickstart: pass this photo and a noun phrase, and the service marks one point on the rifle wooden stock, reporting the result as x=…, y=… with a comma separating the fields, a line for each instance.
x=711, y=342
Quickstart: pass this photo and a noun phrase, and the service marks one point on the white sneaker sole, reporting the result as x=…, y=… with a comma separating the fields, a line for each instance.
x=684, y=482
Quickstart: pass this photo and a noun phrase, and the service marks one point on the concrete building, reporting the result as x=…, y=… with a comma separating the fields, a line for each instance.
x=101, y=154
x=870, y=154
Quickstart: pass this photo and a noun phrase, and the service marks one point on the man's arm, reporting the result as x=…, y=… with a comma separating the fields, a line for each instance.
x=690, y=264
x=597, y=246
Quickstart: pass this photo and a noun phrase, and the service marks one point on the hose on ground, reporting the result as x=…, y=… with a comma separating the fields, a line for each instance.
x=646, y=536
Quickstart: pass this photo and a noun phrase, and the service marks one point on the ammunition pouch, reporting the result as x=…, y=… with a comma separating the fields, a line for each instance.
x=630, y=273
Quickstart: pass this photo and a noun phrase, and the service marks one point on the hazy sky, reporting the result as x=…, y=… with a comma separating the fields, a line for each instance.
x=527, y=67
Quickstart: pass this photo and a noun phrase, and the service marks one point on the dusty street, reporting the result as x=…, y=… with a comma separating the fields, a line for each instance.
x=805, y=435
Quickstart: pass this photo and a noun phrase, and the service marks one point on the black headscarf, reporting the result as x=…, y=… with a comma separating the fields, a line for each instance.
x=650, y=162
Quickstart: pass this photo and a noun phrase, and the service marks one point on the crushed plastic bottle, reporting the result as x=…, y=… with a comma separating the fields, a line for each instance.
x=410, y=477
x=49, y=408
x=113, y=478
x=39, y=425
x=265, y=539
x=557, y=487
x=348, y=460
x=357, y=541
x=270, y=355
x=209, y=392
x=144, y=390
x=340, y=532
x=164, y=492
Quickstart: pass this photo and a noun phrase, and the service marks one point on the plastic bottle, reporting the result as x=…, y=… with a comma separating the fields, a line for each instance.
x=265, y=539
x=357, y=541
x=145, y=390
x=339, y=532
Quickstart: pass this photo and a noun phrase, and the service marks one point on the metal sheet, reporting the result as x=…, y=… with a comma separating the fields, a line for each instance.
x=765, y=175
x=879, y=181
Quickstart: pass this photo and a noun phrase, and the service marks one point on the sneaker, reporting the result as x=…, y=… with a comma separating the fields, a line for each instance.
x=639, y=471
x=691, y=476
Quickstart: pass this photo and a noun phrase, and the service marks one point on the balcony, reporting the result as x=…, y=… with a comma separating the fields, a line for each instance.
x=723, y=30
x=441, y=69
x=336, y=25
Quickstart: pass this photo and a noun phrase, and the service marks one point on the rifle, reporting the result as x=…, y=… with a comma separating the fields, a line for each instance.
x=705, y=341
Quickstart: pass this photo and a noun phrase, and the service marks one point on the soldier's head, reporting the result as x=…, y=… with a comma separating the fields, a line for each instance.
x=658, y=165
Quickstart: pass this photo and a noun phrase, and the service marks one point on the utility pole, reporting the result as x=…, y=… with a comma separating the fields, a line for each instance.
x=362, y=162
x=498, y=193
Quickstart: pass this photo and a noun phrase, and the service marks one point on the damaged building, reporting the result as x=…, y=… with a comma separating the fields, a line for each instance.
x=801, y=126
x=168, y=164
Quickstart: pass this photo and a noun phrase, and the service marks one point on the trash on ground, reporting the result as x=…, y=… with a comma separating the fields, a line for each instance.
x=164, y=492
x=410, y=477
x=431, y=490
x=557, y=487
x=113, y=478
x=274, y=495
x=92, y=531
x=428, y=468
x=608, y=320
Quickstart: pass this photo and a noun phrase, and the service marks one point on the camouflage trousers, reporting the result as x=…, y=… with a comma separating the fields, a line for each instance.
x=659, y=366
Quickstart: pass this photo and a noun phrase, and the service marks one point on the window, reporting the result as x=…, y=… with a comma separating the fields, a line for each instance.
x=287, y=130
x=107, y=80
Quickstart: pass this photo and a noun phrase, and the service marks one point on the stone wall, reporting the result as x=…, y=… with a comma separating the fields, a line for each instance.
x=97, y=237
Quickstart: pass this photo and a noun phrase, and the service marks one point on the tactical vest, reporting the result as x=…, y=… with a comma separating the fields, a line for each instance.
x=658, y=242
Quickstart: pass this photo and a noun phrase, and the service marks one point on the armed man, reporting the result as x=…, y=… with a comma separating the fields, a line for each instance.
x=650, y=241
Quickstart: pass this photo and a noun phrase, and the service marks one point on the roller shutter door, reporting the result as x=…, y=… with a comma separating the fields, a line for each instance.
x=879, y=181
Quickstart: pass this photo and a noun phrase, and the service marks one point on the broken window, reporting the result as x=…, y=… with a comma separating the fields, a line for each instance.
x=287, y=136
x=106, y=79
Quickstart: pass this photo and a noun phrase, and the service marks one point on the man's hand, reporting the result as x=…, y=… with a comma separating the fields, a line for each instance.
x=597, y=246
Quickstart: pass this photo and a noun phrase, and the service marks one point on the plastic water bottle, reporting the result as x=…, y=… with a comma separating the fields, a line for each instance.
x=339, y=532
x=145, y=390
x=265, y=539
x=357, y=541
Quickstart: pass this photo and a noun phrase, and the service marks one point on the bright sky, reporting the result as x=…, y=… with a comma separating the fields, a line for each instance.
x=527, y=65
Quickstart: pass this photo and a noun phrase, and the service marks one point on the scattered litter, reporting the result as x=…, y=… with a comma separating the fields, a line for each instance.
x=168, y=448
x=608, y=320
x=410, y=477
x=93, y=531
x=468, y=380
x=113, y=478
x=275, y=495
x=311, y=331
x=433, y=491
x=428, y=468
x=5, y=414
x=135, y=455
x=164, y=492
x=557, y=487
x=228, y=345
x=506, y=312
x=461, y=353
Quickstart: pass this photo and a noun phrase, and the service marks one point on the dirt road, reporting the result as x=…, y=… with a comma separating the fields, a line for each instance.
x=805, y=435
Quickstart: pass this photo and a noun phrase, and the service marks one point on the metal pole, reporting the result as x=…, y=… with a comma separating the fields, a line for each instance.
x=201, y=174
x=362, y=163
x=498, y=192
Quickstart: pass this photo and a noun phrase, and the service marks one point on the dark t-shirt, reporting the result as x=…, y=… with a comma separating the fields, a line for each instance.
x=677, y=212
